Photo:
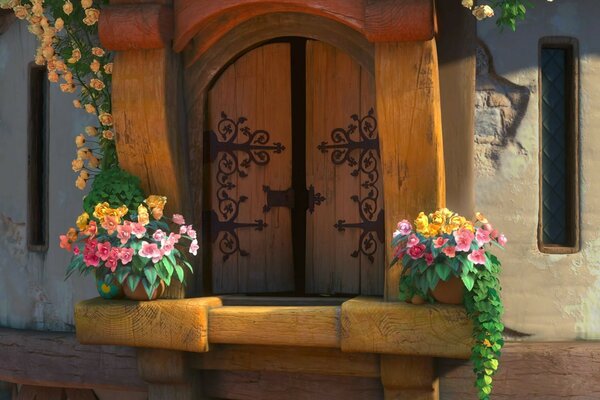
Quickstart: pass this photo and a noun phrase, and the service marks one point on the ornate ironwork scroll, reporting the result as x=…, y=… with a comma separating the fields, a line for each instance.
x=234, y=157
x=358, y=147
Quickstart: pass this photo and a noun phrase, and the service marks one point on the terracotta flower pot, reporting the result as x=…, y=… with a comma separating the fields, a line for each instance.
x=451, y=291
x=112, y=290
x=140, y=294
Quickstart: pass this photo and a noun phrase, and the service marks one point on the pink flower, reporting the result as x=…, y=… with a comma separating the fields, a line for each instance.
x=178, y=219
x=477, y=256
x=191, y=232
x=91, y=260
x=194, y=247
x=439, y=242
x=417, y=251
x=404, y=227
x=91, y=229
x=166, y=248
x=111, y=263
x=463, y=238
x=412, y=240
x=150, y=250
x=103, y=250
x=482, y=236
x=158, y=235
x=138, y=230
x=183, y=229
x=110, y=224
x=502, y=240
x=429, y=258
x=124, y=233
x=125, y=255
x=173, y=238
x=449, y=251
x=494, y=234
x=90, y=246
x=64, y=243
x=76, y=250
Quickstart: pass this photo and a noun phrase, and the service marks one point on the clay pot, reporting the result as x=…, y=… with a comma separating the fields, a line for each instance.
x=139, y=293
x=112, y=290
x=451, y=291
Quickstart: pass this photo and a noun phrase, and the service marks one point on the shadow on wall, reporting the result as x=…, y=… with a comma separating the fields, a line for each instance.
x=500, y=106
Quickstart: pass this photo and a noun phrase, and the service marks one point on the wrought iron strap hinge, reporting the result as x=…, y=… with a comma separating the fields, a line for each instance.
x=286, y=198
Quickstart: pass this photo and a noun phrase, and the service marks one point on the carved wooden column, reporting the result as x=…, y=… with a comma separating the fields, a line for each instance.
x=146, y=99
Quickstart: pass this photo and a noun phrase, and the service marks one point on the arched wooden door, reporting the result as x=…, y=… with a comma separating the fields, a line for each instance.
x=295, y=191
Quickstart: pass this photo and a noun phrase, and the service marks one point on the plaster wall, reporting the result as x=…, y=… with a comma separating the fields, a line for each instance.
x=33, y=292
x=550, y=297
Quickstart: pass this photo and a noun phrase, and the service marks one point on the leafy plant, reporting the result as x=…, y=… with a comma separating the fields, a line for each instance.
x=510, y=12
x=116, y=187
x=444, y=244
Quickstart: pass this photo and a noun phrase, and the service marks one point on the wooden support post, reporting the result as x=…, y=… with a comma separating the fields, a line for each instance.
x=168, y=375
x=410, y=131
x=408, y=378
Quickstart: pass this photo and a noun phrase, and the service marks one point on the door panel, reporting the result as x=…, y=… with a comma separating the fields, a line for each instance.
x=251, y=248
x=344, y=252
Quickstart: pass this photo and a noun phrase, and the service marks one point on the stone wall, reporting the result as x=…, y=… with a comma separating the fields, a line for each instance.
x=547, y=297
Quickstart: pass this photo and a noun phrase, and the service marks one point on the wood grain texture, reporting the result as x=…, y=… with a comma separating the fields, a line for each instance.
x=531, y=371
x=382, y=20
x=408, y=378
x=257, y=87
x=239, y=385
x=278, y=326
x=410, y=131
x=456, y=43
x=80, y=394
x=337, y=88
x=27, y=355
x=395, y=20
x=41, y=393
x=160, y=366
x=131, y=26
x=7, y=17
x=374, y=326
x=300, y=360
x=164, y=324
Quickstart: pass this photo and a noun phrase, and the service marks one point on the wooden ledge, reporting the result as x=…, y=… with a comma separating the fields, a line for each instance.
x=359, y=325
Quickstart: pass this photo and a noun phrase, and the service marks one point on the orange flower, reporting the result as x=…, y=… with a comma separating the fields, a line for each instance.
x=95, y=66
x=97, y=51
x=110, y=223
x=105, y=119
x=109, y=135
x=72, y=235
x=143, y=217
x=108, y=68
x=97, y=84
x=91, y=16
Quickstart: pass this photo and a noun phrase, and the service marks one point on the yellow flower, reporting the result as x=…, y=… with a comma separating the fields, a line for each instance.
x=67, y=7
x=90, y=109
x=468, y=225
x=100, y=210
x=59, y=24
x=21, y=12
x=80, y=183
x=91, y=16
x=67, y=87
x=108, y=68
x=53, y=76
x=97, y=51
x=77, y=104
x=105, y=119
x=143, y=217
x=86, y=3
x=434, y=229
x=79, y=140
x=82, y=221
x=48, y=52
x=155, y=201
x=422, y=224
x=93, y=162
x=91, y=131
x=84, y=175
x=481, y=218
x=487, y=343
x=107, y=134
x=457, y=220
x=97, y=84
x=437, y=217
x=77, y=165
x=75, y=56
x=95, y=66
x=83, y=153
x=72, y=235
x=157, y=213
x=449, y=228
x=60, y=65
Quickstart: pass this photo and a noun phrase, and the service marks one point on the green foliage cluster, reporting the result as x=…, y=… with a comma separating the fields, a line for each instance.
x=116, y=187
x=510, y=12
x=485, y=309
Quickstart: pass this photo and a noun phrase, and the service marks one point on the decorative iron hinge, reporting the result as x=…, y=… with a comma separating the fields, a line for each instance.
x=343, y=149
x=286, y=198
x=235, y=157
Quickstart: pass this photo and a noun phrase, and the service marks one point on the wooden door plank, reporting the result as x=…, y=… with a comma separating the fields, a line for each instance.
x=410, y=134
x=81, y=394
x=258, y=87
x=334, y=86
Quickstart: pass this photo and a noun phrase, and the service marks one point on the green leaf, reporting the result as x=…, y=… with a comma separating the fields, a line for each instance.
x=187, y=264
x=180, y=273
x=122, y=274
x=487, y=379
x=443, y=271
x=468, y=281
x=133, y=281
x=168, y=265
x=150, y=274
x=139, y=263
x=148, y=288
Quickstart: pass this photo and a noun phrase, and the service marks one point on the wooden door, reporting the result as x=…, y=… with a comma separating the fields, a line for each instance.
x=249, y=119
x=345, y=249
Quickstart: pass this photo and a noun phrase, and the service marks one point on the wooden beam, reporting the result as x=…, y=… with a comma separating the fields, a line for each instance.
x=164, y=324
x=410, y=134
x=373, y=326
x=56, y=359
x=278, y=326
x=456, y=42
x=297, y=360
x=532, y=371
x=408, y=378
x=131, y=26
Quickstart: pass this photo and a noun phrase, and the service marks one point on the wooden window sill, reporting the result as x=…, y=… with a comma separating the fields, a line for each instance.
x=358, y=325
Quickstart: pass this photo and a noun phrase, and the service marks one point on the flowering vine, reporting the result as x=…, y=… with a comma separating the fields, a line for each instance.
x=70, y=49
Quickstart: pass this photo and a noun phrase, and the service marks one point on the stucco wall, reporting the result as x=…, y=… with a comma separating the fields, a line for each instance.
x=552, y=297
x=33, y=292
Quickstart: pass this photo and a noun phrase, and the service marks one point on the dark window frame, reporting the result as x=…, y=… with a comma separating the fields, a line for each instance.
x=572, y=152
x=37, y=159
